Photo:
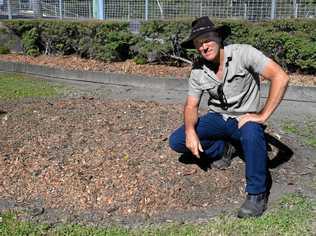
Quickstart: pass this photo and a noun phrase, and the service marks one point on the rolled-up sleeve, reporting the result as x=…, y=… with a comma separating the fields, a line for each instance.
x=194, y=86
x=254, y=59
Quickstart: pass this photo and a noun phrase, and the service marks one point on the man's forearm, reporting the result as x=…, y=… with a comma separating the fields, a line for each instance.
x=192, y=141
x=276, y=92
x=190, y=118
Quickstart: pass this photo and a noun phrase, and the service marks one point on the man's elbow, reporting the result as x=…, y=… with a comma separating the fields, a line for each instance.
x=285, y=79
x=276, y=74
x=281, y=78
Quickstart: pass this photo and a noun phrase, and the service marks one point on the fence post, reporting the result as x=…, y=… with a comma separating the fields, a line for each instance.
x=95, y=9
x=295, y=7
x=101, y=9
x=90, y=7
x=9, y=10
x=146, y=9
x=37, y=8
x=201, y=8
x=273, y=7
x=245, y=11
x=128, y=11
x=61, y=9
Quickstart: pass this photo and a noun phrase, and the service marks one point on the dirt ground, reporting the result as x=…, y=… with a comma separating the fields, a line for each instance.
x=88, y=154
x=87, y=158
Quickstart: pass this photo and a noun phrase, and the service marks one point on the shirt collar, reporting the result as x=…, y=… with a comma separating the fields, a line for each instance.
x=228, y=55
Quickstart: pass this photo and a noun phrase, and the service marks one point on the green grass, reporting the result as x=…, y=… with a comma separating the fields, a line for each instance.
x=292, y=215
x=4, y=50
x=13, y=86
x=306, y=131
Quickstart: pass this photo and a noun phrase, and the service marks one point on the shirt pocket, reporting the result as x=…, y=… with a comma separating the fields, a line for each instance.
x=210, y=88
x=209, y=85
x=237, y=83
x=238, y=76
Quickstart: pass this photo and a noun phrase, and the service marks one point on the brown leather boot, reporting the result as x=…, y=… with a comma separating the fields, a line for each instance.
x=225, y=161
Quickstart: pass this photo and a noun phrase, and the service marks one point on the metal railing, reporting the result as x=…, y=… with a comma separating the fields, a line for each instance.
x=253, y=10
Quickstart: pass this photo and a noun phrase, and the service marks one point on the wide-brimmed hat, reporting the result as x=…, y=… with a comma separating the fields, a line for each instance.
x=204, y=25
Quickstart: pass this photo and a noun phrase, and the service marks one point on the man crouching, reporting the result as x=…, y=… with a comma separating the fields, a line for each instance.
x=230, y=75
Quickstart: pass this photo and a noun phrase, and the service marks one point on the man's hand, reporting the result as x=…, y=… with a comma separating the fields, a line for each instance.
x=192, y=142
x=250, y=117
x=279, y=81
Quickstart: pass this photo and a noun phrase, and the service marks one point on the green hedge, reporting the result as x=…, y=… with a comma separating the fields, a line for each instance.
x=105, y=41
x=291, y=42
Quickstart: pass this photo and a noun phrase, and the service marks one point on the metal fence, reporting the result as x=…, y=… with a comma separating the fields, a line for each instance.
x=253, y=10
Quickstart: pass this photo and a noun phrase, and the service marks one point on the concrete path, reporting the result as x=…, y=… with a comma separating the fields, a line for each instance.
x=298, y=104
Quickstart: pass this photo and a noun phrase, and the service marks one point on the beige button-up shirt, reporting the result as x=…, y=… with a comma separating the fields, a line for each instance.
x=241, y=83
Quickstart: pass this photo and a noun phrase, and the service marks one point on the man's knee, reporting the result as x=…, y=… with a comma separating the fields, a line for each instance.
x=252, y=131
x=175, y=143
x=172, y=142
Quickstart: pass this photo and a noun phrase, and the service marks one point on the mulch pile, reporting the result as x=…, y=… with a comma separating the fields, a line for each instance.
x=93, y=154
x=126, y=67
x=77, y=63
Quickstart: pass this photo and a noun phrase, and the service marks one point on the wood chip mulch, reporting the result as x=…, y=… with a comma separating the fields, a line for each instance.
x=87, y=153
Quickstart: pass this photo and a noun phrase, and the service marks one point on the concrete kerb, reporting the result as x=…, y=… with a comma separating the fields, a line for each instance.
x=94, y=77
x=294, y=93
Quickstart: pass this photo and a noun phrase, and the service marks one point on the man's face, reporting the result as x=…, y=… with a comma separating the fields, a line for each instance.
x=208, y=46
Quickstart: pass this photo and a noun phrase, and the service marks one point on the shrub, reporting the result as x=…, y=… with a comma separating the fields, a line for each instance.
x=86, y=33
x=112, y=42
x=160, y=40
x=30, y=42
x=289, y=42
x=58, y=37
x=300, y=54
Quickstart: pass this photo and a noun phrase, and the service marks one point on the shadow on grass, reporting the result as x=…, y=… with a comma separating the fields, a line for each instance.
x=284, y=153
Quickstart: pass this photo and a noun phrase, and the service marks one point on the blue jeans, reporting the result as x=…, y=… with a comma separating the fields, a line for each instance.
x=213, y=131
